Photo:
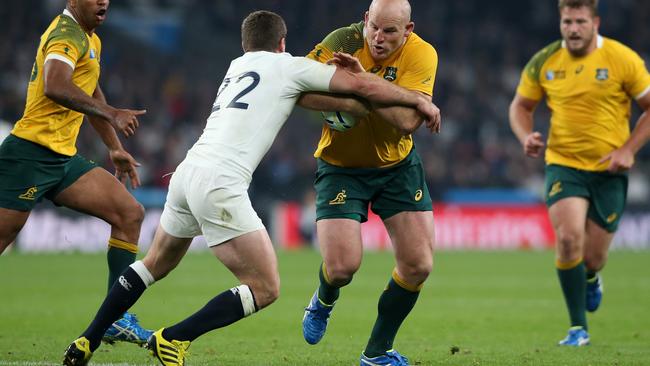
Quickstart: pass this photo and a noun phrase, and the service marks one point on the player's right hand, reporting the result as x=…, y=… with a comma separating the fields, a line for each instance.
x=533, y=144
x=126, y=120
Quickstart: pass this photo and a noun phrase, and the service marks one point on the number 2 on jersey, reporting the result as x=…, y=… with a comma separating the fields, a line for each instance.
x=235, y=103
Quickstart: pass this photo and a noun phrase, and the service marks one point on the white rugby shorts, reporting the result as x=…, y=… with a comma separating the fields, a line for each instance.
x=204, y=201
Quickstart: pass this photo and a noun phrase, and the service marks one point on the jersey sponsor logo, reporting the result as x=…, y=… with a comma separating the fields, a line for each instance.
x=579, y=69
x=427, y=80
x=339, y=199
x=612, y=217
x=124, y=283
x=390, y=73
x=602, y=74
x=29, y=194
x=418, y=195
x=555, y=189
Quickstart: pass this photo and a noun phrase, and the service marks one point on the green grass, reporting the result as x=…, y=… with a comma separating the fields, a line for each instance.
x=498, y=308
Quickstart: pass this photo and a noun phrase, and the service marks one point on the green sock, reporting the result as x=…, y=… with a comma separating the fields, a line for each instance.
x=574, y=285
x=327, y=293
x=395, y=303
x=118, y=260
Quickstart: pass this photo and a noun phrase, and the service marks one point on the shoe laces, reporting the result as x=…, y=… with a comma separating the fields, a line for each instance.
x=398, y=357
x=320, y=311
x=181, y=347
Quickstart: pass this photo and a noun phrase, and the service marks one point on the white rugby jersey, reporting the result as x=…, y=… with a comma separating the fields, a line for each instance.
x=254, y=100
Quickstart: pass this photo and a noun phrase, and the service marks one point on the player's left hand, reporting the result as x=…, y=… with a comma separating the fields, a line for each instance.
x=620, y=160
x=125, y=167
x=346, y=62
x=431, y=114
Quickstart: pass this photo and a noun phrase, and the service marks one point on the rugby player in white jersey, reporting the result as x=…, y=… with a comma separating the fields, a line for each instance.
x=208, y=191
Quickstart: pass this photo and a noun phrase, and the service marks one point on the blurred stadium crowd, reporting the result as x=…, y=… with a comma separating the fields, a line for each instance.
x=169, y=56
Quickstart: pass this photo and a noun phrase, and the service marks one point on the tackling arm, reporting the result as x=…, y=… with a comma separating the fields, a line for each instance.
x=354, y=105
x=378, y=90
x=406, y=119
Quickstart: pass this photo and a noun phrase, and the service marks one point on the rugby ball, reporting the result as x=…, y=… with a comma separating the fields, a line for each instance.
x=339, y=121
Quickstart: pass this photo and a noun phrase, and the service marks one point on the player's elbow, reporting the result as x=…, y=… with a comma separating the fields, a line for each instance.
x=410, y=125
x=52, y=91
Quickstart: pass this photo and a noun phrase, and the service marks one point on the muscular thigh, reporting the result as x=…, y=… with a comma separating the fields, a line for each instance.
x=413, y=236
x=250, y=257
x=98, y=193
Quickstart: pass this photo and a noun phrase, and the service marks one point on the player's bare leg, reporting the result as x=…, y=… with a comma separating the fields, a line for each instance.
x=568, y=217
x=412, y=235
x=342, y=251
x=100, y=194
x=11, y=222
x=165, y=253
x=597, y=242
x=251, y=258
x=341, y=248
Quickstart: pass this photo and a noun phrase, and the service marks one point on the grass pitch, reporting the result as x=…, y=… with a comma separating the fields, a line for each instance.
x=478, y=308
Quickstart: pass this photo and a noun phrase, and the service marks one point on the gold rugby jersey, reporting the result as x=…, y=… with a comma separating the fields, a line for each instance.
x=589, y=98
x=44, y=121
x=373, y=142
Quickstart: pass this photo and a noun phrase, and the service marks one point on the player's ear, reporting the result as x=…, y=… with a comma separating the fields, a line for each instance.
x=283, y=45
x=596, y=22
x=365, y=18
x=409, y=28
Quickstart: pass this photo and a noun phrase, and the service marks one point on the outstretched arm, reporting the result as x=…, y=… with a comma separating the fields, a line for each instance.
x=60, y=88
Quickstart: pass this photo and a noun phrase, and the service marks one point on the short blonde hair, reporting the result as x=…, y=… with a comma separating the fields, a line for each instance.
x=591, y=4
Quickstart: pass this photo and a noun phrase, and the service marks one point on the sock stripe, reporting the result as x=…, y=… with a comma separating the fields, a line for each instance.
x=143, y=273
x=246, y=298
x=325, y=275
x=567, y=265
x=121, y=244
x=405, y=285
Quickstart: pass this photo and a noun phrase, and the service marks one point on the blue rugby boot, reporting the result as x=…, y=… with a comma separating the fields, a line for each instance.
x=577, y=337
x=594, y=293
x=390, y=358
x=127, y=329
x=315, y=320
